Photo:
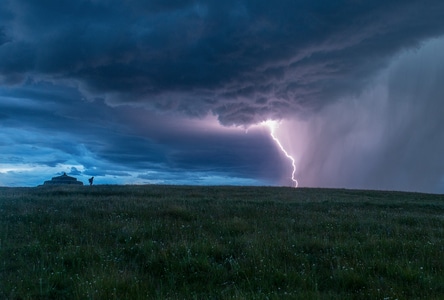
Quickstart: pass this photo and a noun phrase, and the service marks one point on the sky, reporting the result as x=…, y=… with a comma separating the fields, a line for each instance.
x=180, y=92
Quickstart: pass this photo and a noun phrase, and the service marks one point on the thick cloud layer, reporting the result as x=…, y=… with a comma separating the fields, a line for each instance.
x=245, y=61
x=48, y=130
x=387, y=137
x=131, y=89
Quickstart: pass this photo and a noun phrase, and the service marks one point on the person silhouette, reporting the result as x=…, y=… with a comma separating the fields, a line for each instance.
x=91, y=180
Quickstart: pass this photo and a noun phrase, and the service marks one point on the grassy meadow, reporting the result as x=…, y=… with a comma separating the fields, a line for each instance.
x=180, y=242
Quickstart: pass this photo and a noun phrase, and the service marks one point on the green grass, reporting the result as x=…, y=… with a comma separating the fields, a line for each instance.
x=178, y=242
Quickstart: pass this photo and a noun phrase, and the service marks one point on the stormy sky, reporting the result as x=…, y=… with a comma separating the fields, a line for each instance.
x=174, y=92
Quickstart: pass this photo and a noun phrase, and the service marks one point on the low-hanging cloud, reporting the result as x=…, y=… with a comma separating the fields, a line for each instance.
x=387, y=137
x=245, y=61
x=49, y=131
x=132, y=89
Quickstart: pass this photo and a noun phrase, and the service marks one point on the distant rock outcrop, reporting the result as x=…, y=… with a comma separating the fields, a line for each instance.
x=63, y=179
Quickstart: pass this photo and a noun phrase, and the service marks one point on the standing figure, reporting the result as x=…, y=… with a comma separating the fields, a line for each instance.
x=91, y=180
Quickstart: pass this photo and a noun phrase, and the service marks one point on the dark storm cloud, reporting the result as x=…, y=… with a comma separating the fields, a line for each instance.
x=3, y=37
x=388, y=137
x=107, y=141
x=243, y=60
x=125, y=88
x=415, y=139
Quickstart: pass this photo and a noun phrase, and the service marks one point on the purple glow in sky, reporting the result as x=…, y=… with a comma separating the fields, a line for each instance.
x=174, y=92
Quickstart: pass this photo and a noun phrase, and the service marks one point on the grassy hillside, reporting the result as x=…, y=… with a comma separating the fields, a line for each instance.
x=176, y=242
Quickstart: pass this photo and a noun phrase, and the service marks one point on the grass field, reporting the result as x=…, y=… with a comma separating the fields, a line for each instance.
x=178, y=242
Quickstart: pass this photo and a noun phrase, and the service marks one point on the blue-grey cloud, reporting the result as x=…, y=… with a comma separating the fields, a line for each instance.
x=243, y=60
x=109, y=87
x=388, y=137
x=56, y=128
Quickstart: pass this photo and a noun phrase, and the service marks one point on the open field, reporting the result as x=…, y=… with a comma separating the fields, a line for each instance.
x=178, y=242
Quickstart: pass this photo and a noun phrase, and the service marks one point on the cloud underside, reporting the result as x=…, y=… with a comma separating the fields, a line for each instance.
x=245, y=61
x=136, y=91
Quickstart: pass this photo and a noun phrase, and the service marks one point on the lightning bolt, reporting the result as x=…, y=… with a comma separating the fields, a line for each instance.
x=272, y=125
